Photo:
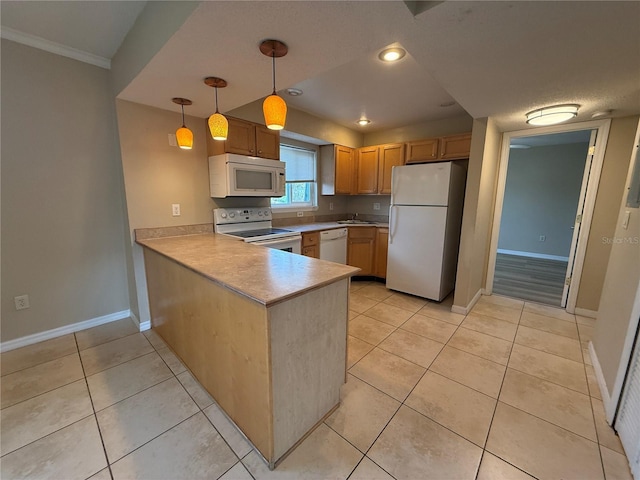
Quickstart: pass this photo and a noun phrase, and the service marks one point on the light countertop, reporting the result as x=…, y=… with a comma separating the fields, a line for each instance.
x=315, y=227
x=265, y=275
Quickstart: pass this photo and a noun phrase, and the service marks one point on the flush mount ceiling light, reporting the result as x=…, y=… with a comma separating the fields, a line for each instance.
x=274, y=107
x=218, y=124
x=552, y=115
x=392, y=54
x=363, y=121
x=184, y=136
x=294, y=92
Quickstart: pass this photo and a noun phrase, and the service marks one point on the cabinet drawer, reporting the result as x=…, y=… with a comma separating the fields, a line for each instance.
x=362, y=232
x=310, y=239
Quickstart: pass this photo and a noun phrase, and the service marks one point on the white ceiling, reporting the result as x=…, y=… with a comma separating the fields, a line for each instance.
x=498, y=59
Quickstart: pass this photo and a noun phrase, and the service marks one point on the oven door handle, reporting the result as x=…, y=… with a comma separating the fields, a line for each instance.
x=275, y=241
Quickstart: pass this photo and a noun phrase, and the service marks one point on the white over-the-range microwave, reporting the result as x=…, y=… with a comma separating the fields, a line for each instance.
x=232, y=175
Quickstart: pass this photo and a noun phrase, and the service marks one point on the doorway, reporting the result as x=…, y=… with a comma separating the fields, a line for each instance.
x=546, y=193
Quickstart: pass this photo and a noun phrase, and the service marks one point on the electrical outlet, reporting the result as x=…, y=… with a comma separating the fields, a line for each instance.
x=376, y=206
x=300, y=214
x=330, y=205
x=21, y=301
x=175, y=209
x=543, y=238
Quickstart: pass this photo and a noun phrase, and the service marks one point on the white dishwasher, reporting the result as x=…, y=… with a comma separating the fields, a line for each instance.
x=333, y=245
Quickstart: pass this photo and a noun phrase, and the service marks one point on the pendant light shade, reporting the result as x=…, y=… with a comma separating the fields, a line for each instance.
x=274, y=107
x=184, y=136
x=275, y=112
x=218, y=124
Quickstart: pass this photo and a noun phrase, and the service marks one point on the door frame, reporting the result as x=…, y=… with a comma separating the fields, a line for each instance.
x=603, y=127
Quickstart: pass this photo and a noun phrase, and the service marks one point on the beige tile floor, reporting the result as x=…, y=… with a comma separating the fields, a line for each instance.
x=503, y=393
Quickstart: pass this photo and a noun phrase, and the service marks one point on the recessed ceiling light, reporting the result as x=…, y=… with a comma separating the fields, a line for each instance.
x=363, y=121
x=294, y=92
x=391, y=54
x=552, y=115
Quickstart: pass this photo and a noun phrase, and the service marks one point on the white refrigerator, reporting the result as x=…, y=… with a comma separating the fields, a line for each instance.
x=424, y=228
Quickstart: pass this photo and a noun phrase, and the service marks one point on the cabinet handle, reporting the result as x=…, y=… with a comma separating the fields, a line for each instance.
x=259, y=151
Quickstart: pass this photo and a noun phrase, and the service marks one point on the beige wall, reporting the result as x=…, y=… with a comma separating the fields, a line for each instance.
x=155, y=25
x=419, y=131
x=477, y=217
x=603, y=225
x=621, y=284
x=62, y=212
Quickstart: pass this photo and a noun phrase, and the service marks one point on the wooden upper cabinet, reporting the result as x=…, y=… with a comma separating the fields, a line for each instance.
x=451, y=147
x=391, y=155
x=367, y=159
x=344, y=164
x=246, y=138
x=455, y=147
x=422, y=151
x=267, y=142
x=337, y=167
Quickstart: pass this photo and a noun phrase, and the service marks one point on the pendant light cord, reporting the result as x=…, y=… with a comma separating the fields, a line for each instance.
x=183, y=125
x=216, y=89
x=273, y=59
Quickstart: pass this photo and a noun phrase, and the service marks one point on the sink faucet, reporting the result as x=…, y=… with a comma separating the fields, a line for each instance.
x=354, y=216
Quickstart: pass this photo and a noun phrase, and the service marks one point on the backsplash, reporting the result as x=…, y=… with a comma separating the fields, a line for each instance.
x=285, y=221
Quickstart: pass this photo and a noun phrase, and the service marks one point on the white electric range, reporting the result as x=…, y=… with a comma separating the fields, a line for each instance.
x=253, y=225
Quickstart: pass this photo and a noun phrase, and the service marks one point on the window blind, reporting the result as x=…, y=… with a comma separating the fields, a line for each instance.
x=300, y=164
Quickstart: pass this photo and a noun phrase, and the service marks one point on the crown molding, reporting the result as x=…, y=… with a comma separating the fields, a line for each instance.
x=53, y=47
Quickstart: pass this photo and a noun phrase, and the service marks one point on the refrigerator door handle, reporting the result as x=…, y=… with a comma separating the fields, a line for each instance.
x=391, y=225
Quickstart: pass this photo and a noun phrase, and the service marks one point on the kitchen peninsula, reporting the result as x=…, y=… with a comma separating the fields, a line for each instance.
x=264, y=331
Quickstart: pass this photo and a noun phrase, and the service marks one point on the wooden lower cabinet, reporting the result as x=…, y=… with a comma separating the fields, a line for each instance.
x=311, y=244
x=382, y=247
x=361, y=249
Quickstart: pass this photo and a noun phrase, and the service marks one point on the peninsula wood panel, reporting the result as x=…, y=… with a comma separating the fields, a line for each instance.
x=302, y=392
x=230, y=359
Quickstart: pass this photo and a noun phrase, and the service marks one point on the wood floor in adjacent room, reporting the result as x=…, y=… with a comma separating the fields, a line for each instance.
x=535, y=279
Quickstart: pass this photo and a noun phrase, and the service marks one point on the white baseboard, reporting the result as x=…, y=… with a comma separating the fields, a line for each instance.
x=609, y=407
x=465, y=310
x=533, y=255
x=586, y=313
x=58, y=332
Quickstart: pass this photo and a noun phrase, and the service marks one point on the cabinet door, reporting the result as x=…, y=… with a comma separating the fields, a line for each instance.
x=422, y=151
x=267, y=142
x=391, y=155
x=361, y=249
x=455, y=147
x=241, y=138
x=344, y=169
x=367, y=170
x=382, y=247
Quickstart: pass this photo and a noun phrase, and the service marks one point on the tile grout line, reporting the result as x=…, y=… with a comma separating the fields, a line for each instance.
x=495, y=408
x=95, y=416
x=201, y=410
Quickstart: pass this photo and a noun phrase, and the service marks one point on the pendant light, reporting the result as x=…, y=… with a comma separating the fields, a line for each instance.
x=218, y=124
x=184, y=136
x=274, y=107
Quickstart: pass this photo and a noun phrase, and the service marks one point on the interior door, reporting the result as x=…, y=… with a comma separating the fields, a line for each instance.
x=578, y=220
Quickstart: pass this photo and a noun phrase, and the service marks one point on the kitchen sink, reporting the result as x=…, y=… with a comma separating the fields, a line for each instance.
x=355, y=222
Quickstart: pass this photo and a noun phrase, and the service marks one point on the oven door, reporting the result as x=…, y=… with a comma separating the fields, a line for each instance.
x=288, y=244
